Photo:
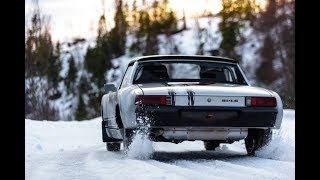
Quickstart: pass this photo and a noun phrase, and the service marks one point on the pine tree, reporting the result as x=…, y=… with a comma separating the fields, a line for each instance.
x=71, y=77
x=234, y=14
x=153, y=21
x=81, y=112
x=266, y=72
x=143, y=23
x=152, y=28
x=42, y=67
x=133, y=29
x=54, y=68
x=97, y=59
x=117, y=37
x=276, y=28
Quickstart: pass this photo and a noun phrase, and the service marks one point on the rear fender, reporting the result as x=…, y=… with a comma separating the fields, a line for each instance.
x=127, y=105
x=280, y=110
x=108, y=103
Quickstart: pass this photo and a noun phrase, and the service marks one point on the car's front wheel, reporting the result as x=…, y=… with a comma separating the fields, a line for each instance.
x=113, y=146
x=256, y=139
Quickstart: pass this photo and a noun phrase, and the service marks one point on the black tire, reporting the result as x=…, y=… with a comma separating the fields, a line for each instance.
x=113, y=146
x=210, y=145
x=128, y=137
x=256, y=139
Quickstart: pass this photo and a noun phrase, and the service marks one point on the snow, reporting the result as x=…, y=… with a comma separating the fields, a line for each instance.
x=141, y=148
x=74, y=150
x=285, y=135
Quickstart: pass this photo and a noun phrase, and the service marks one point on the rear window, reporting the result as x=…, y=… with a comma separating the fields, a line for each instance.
x=188, y=71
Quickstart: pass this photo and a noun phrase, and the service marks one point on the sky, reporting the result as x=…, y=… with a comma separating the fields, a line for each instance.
x=79, y=18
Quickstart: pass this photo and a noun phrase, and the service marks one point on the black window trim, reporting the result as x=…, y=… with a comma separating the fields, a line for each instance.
x=124, y=75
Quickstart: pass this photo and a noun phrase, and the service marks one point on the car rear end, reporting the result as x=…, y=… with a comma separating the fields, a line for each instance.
x=197, y=114
x=201, y=100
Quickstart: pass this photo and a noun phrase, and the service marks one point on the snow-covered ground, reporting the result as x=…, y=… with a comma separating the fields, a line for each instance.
x=74, y=150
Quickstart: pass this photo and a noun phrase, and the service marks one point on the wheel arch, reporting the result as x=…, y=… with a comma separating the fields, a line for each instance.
x=118, y=117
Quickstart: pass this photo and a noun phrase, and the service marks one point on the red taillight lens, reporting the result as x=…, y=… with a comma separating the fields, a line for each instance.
x=261, y=101
x=153, y=100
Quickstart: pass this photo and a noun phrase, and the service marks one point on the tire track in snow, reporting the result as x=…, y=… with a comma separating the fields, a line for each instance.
x=230, y=170
x=125, y=168
x=229, y=164
x=97, y=163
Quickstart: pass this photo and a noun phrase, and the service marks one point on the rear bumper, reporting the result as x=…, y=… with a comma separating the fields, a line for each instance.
x=244, y=117
x=178, y=133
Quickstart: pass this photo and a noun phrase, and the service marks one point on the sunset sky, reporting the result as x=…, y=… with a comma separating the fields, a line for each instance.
x=78, y=18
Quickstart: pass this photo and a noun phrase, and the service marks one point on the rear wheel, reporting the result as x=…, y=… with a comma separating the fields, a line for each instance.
x=113, y=146
x=256, y=139
x=211, y=145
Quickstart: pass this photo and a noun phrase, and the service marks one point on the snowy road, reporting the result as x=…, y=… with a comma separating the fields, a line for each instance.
x=73, y=150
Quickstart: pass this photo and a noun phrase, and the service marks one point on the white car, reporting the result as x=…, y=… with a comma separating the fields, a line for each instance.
x=187, y=98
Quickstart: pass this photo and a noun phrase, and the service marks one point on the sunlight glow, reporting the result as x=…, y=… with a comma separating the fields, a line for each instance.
x=195, y=7
x=73, y=18
x=79, y=18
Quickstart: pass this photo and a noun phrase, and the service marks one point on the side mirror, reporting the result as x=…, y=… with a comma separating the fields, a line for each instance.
x=109, y=87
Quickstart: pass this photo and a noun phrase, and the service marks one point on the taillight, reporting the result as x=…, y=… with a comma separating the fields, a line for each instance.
x=261, y=101
x=153, y=100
